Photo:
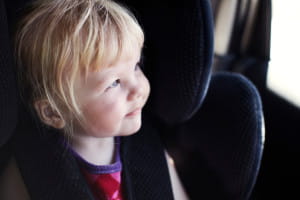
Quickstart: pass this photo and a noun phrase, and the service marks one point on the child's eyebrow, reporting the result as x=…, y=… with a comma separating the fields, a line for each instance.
x=100, y=76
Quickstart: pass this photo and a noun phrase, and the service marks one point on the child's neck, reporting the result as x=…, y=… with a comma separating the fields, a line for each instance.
x=98, y=151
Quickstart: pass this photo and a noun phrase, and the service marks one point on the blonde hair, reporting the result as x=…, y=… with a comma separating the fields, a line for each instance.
x=58, y=40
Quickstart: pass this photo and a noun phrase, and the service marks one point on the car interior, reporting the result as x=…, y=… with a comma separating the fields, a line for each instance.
x=246, y=32
x=229, y=135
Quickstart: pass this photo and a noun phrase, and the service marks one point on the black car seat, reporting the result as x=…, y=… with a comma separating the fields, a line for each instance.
x=212, y=125
x=215, y=137
x=247, y=29
x=8, y=94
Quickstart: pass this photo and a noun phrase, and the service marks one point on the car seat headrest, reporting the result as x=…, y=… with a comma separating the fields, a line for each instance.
x=178, y=55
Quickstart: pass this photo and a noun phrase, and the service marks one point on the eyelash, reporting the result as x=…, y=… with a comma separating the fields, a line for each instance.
x=117, y=82
x=114, y=84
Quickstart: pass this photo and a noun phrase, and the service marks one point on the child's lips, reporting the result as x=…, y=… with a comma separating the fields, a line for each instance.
x=134, y=112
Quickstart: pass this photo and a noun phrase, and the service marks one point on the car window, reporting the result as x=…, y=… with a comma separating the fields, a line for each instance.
x=284, y=66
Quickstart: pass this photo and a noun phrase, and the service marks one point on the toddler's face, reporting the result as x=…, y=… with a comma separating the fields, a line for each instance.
x=112, y=99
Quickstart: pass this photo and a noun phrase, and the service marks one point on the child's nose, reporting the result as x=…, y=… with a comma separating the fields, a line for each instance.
x=135, y=92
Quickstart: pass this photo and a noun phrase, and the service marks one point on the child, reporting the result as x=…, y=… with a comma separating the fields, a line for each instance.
x=79, y=67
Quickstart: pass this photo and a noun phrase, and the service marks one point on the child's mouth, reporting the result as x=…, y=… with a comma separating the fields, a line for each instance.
x=134, y=112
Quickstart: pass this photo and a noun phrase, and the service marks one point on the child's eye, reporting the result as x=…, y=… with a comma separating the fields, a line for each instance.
x=114, y=84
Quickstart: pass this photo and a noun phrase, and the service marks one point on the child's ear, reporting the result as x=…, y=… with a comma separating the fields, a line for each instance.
x=48, y=115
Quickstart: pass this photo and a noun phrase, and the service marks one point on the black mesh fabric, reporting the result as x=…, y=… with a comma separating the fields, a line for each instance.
x=48, y=170
x=219, y=150
x=8, y=95
x=178, y=54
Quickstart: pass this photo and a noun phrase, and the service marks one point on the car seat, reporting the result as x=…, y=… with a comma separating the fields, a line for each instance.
x=212, y=125
x=8, y=94
x=215, y=137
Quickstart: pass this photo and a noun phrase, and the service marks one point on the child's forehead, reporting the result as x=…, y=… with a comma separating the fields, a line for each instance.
x=126, y=57
x=120, y=65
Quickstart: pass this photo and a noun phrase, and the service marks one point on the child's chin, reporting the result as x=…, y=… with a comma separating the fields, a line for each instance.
x=134, y=130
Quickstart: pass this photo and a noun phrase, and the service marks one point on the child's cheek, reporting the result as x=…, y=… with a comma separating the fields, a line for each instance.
x=103, y=116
